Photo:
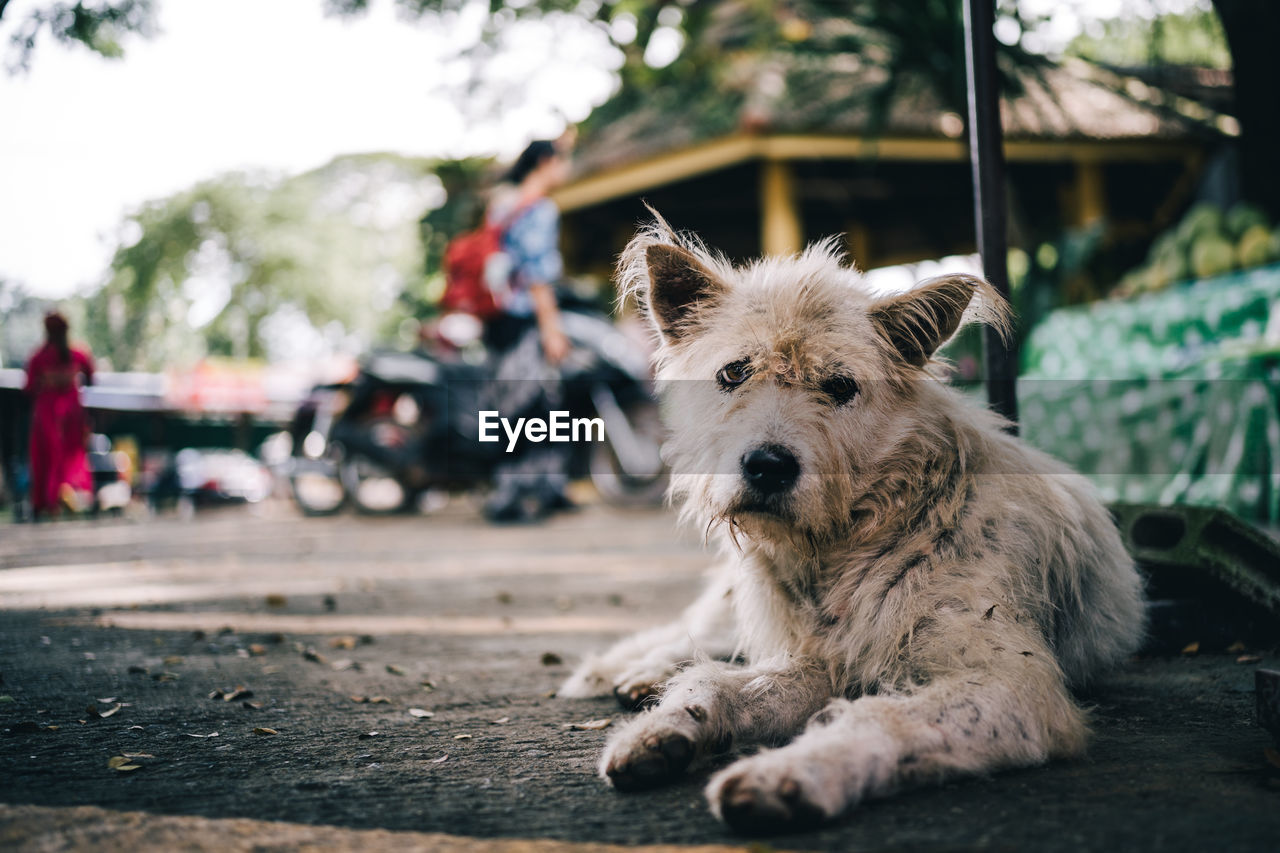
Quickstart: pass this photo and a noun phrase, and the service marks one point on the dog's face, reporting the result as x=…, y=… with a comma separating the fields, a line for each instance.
x=786, y=385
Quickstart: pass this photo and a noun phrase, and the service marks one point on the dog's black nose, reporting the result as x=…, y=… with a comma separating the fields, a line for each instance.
x=770, y=470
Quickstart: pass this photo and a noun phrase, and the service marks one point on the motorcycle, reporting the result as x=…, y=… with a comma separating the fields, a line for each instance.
x=405, y=432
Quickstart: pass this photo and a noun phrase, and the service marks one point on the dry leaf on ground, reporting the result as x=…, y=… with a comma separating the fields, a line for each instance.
x=1191, y=648
x=590, y=725
x=421, y=712
x=395, y=670
x=441, y=760
x=551, y=659
x=262, y=730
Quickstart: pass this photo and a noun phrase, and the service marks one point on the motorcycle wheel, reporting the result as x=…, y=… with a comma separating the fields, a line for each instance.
x=616, y=486
x=373, y=489
x=316, y=487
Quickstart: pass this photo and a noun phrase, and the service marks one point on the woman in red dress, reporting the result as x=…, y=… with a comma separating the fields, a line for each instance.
x=58, y=426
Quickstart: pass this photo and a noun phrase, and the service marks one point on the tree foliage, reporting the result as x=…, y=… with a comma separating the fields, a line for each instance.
x=250, y=264
x=99, y=26
x=1191, y=37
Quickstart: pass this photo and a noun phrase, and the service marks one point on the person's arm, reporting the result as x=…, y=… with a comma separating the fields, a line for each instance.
x=555, y=345
x=86, y=366
x=544, y=266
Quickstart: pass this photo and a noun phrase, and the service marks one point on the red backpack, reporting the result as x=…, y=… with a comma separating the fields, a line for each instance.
x=467, y=258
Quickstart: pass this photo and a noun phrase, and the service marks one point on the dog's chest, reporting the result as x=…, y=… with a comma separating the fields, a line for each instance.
x=803, y=600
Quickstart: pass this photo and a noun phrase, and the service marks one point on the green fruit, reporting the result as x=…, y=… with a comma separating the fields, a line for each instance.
x=1242, y=217
x=1212, y=255
x=1254, y=248
x=1202, y=219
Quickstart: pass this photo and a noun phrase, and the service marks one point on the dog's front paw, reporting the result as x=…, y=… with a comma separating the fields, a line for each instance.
x=762, y=795
x=646, y=757
x=635, y=693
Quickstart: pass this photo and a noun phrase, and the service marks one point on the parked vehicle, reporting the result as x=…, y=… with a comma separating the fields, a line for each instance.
x=405, y=430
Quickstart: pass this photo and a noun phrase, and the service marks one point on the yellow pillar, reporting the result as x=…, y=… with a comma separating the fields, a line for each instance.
x=1091, y=193
x=780, y=230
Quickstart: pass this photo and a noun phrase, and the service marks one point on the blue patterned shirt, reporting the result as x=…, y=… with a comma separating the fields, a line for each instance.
x=532, y=242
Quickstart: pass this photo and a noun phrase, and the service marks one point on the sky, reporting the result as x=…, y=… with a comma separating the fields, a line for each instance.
x=252, y=84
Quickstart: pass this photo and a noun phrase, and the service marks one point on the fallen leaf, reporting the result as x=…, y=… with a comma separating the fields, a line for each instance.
x=343, y=642
x=5, y=700
x=174, y=660
x=427, y=685
x=501, y=721
x=462, y=737
x=93, y=711
x=90, y=656
x=123, y=763
x=166, y=676
x=312, y=655
x=257, y=649
x=135, y=728
x=441, y=760
x=261, y=730
x=551, y=659
x=252, y=706
x=1248, y=658
x=108, y=700
x=1236, y=648
x=344, y=665
x=421, y=712
x=590, y=725
x=276, y=600
x=137, y=755
x=202, y=737
x=1191, y=648
x=379, y=700
x=367, y=735
x=395, y=670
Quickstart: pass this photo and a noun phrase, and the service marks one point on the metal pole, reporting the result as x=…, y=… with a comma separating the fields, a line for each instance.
x=986, y=158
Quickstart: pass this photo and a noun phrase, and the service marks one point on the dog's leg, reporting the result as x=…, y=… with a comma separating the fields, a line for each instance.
x=703, y=710
x=966, y=722
x=636, y=667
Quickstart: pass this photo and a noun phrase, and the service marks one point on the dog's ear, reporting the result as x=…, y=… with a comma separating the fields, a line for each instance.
x=679, y=288
x=919, y=321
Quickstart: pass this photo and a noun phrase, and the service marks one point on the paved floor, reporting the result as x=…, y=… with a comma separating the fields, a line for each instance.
x=405, y=667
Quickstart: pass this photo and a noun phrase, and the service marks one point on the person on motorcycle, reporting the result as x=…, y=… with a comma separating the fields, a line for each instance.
x=532, y=484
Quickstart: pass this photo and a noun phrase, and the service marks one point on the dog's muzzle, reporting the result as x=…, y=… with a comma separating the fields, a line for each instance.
x=770, y=470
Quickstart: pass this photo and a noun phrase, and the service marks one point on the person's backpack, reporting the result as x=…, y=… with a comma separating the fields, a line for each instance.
x=476, y=270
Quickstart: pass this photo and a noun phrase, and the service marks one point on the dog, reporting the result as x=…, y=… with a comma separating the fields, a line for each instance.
x=908, y=592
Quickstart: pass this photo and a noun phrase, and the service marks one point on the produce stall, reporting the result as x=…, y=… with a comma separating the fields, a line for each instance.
x=1171, y=396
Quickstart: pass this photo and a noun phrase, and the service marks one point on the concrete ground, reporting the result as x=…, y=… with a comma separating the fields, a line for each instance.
x=387, y=684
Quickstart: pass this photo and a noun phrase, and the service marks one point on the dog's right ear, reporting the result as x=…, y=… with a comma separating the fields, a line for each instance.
x=680, y=287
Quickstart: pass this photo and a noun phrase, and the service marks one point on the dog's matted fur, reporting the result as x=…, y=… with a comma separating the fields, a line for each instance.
x=908, y=591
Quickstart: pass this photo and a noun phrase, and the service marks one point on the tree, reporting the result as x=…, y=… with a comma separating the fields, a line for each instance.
x=97, y=26
x=1253, y=31
x=253, y=265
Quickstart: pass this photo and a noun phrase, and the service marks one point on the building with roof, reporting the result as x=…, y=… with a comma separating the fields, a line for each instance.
x=779, y=164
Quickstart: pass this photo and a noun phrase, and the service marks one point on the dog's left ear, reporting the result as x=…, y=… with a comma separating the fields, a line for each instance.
x=919, y=321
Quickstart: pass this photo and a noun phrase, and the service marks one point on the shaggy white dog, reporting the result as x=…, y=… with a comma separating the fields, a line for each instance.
x=908, y=592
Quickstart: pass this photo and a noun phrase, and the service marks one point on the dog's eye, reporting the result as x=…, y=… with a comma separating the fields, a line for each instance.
x=841, y=389
x=734, y=374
